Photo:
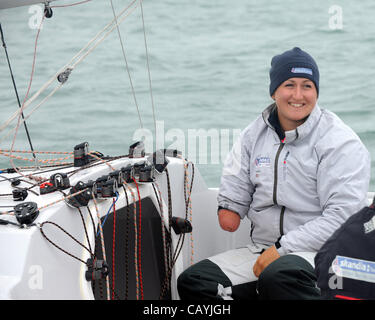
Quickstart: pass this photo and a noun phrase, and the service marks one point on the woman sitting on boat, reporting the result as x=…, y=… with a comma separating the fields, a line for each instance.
x=298, y=173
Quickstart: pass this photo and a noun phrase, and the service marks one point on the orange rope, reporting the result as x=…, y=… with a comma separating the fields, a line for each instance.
x=139, y=242
x=41, y=152
x=55, y=161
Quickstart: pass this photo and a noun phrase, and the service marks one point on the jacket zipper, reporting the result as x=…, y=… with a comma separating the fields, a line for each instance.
x=275, y=173
x=282, y=221
x=281, y=226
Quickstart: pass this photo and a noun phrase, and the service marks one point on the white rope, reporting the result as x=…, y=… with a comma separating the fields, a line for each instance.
x=70, y=64
x=148, y=68
x=31, y=112
x=126, y=64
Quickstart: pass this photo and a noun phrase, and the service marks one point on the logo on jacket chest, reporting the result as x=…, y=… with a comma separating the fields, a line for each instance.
x=262, y=162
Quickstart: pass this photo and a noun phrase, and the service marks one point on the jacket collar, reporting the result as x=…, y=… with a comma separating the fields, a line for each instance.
x=300, y=132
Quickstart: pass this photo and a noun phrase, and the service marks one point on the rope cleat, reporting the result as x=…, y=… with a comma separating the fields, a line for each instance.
x=138, y=166
x=81, y=154
x=159, y=160
x=137, y=150
x=60, y=181
x=108, y=189
x=127, y=173
x=116, y=175
x=98, y=184
x=146, y=174
x=46, y=187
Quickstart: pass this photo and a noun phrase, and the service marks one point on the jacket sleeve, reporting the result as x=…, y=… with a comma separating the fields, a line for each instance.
x=343, y=176
x=236, y=189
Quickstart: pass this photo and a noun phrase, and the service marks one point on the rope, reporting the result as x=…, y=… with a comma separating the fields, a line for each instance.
x=113, y=249
x=148, y=66
x=178, y=248
x=84, y=227
x=34, y=151
x=170, y=213
x=135, y=240
x=167, y=266
x=31, y=168
x=160, y=202
x=108, y=212
x=79, y=57
x=135, y=227
x=57, y=161
x=27, y=94
x=102, y=240
x=126, y=63
x=68, y=234
x=189, y=214
x=127, y=246
x=139, y=242
x=92, y=220
x=15, y=90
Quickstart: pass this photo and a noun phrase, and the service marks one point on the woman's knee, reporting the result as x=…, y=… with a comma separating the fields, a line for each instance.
x=200, y=281
x=289, y=277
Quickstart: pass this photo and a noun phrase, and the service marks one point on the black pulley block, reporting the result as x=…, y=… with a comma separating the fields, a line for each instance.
x=81, y=199
x=96, y=269
x=19, y=194
x=181, y=225
x=26, y=212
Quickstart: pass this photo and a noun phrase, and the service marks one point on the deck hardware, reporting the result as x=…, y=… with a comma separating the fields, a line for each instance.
x=26, y=212
x=146, y=174
x=97, y=269
x=181, y=225
x=137, y=150
x=81, y=154
x=128, y=173
x=82, y=199
x=64, y=76
x=19, y=194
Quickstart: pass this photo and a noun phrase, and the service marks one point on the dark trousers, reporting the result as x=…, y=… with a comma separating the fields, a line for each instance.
x=289, y=277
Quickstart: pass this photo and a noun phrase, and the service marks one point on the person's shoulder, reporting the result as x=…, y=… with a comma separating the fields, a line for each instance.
x=255, y=126
x=332, y=127
x=334, y=134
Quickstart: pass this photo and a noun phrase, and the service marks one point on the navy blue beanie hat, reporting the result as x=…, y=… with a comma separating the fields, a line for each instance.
x=294, y=63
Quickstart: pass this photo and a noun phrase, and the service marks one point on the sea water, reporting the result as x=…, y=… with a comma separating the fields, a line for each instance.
x=208, y=63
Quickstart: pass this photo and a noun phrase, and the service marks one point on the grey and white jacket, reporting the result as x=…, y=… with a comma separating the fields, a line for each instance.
x=301, y=189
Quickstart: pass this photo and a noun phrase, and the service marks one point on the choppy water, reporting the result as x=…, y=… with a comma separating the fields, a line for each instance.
x=209, y=63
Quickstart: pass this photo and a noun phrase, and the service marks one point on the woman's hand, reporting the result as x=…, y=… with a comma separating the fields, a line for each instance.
x=229, y=220
x=268, y=256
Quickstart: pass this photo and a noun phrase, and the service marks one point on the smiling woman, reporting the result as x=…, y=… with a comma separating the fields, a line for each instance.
x=294, y=86
x=295, y=99
x=302, y=174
